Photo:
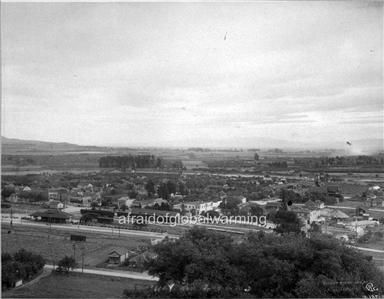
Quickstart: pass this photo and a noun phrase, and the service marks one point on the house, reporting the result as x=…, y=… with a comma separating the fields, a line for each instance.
x=313, y=205
x=52, y=216
x=149, y=203
x=333, y=214
x=89, y=188
x=27, y=189
x=266, y=201
x=18, y=283
x=118, y=256
x=374, y=201
x=216, y=204
x=109, y=200
x=86, y=201
x=13, y=198
x=125, y=201
x=197, y=206
x=268, y=204
x=306, y=215
x=58, y=194
x=55, y=204
x=161, y=239
x=360, y=211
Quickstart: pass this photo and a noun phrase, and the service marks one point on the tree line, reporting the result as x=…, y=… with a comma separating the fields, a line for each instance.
x=360, y=160
x=130, y=161
x=206, y=264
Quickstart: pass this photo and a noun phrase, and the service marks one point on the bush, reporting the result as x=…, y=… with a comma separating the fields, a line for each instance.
x=22, y=265
x=65, y=264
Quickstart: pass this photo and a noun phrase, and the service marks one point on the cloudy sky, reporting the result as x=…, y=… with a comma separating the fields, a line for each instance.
x=201, y=74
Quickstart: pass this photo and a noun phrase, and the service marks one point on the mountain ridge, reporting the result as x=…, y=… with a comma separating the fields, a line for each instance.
x=8, y=144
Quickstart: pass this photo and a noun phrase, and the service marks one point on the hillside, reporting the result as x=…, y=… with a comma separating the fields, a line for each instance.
x=18, y=146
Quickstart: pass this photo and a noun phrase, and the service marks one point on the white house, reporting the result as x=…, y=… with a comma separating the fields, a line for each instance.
x=197, y=206
x=55, y=204
x=27, y=189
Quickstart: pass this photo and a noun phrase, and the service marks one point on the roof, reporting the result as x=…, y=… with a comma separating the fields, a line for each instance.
x=118, y=251
x=334, y=213
x=114, y=254
x=198, y=202
x=59, y=189
x=266, y=201
x=51, y=213
x=339, y=214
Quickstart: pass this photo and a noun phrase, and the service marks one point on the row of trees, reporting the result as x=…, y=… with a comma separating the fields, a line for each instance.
x=294, y=197
x=21, y=265
x=203, y=263
x=130, y=161
x=33, y=195
x=340, y=161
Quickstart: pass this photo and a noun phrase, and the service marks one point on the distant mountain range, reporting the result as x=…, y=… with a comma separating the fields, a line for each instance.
x=363, y=146
x=12, y=145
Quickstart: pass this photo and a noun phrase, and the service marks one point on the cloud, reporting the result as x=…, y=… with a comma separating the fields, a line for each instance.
x=155, y=72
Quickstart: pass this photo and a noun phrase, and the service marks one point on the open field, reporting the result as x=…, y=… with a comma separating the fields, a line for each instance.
x=77, y=286
x=54, y=244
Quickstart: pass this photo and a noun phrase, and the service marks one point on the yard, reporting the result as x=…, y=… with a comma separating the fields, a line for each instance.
x=76, y=285
x=54, y=244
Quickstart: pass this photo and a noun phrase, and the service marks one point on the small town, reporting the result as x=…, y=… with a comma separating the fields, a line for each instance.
x=77, y=215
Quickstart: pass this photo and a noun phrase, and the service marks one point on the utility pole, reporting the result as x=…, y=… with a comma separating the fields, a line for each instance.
x=74, y=251
x=82, y=258
x=11, y=218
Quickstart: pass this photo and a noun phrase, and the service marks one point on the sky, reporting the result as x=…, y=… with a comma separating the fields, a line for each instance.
x=192, y=74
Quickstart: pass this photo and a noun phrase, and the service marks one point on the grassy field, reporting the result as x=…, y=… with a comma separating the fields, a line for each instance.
x=76, y=285
x=55, y=244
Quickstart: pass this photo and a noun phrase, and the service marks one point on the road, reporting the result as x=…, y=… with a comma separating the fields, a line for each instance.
x=367, y=249
x=236, y=229
x=114, y=273
x=345, y=208
x=352, y=208
x=96, y=229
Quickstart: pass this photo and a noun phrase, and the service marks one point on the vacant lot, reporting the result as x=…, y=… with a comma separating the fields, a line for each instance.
x=54, y=244
x=76, y=285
